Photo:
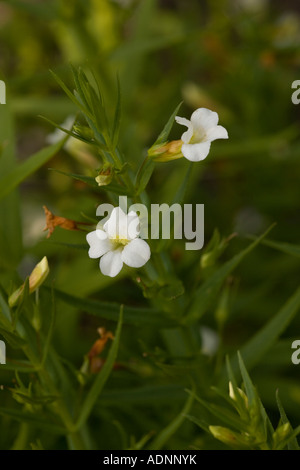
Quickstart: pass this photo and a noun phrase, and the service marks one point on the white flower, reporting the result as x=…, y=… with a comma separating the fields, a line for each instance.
x=202, y=130
x=118, y=243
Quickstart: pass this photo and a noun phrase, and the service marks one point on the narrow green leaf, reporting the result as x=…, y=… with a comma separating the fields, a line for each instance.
x=253, y=397
x=163, y=136
x=262, y=341
x=199, y=422
x=113, y=187
x=292, y=442
x=18, y=366
x=168, y=432
x=110, y=311
x=41, y=423
x=5, y=310
x=144, y=395
x=45, y=12
x=101, y=378
x=12, y=339
x=178, y=199
x=250, y=390
x=291, y=438
x=117, y=118
x=144, y=174
x=72, y=96
x=148, y=165
x=239, y=400
x=288, y=248
x=209, y=289
x=32, y=164
x=229, y=418
x=50, y=328
x=11, y=243
x=71, y=133
x=79, y=87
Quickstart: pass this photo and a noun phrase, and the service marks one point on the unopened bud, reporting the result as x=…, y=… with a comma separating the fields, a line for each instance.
x=281, y=434
x=166, y=152
x=36, y=279
x=226, y=435
x=105, y=175
x=241, y=393
x=84, y=132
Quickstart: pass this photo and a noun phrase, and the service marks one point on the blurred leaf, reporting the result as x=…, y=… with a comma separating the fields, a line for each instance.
x=113, y=187
x=144, y=174
x=292, y=443
x=288, y=248
x=41, y=423
x=33, y=163
x=256, y=347
x=226, y=416
x=117, y=118
x=168, y=432
x=133, y=49
x=253, y=397
x=10, y=228
x=110, y=311
x=72, y=97
x=163, y=136
x=45, y=11
x=100, y=380
x=209, y=289
x=144, y=395
x=12, y=339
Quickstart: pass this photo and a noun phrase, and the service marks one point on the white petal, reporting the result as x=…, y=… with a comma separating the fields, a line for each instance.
x=217, y=132
x=196, y=152
x=136, y=253
x=111, y=263
x=182, y=121
x=187, y=135
x=99, y=243
x=204, y=118
x=116, y=225
x=133, y=229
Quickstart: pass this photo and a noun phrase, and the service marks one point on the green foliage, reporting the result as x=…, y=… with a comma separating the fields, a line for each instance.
x=249, y=427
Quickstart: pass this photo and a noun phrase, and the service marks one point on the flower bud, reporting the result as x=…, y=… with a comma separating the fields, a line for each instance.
x=84, y=131
x=36, y=279
x=241, y=393
x=281, y=434
x=227, y=436
x=105, y=175
x=166, y=152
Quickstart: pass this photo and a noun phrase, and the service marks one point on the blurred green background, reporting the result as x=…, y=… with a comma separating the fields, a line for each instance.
x=237, y=57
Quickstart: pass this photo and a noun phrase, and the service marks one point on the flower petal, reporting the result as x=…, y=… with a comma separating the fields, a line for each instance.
x=186, y=136
x=196, y=152
x=133, y=229
x=111, y=263
x=204, y=119
x=136, y=253
x=116, y=225
x=99, y=243
x=217, y=132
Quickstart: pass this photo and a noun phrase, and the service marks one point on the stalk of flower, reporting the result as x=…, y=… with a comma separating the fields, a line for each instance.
x=118, y=243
